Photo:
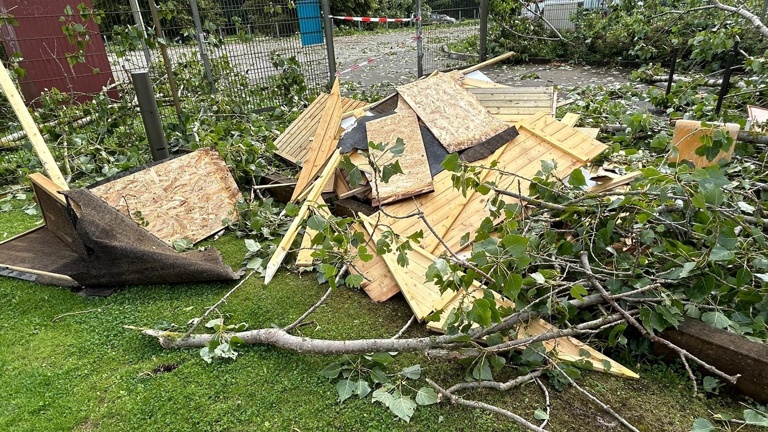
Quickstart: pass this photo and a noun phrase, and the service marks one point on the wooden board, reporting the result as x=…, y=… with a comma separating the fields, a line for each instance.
x=757, y=116
x=324, y=142
x=304, y=257
x=416, y=178
x=513, y=104
x=687, y=138
x=616, y=182
x=456, y=118
x=378, y=282
x=294, y=143
x=186, y=197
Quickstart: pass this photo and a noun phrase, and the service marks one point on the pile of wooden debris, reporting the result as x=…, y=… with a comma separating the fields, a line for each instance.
x=486, y=124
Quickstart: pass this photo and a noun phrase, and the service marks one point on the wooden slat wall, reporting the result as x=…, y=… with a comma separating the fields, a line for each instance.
x=293, y=144
x=512, y=104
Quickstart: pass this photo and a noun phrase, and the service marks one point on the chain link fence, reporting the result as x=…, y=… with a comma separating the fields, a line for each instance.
x=446, y=31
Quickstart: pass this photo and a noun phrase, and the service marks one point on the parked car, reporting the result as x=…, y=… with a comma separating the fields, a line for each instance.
x=436, y=18
x=536, y=8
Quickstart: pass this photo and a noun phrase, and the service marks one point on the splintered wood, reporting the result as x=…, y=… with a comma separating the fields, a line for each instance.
x=416, y=178
x=294, y=143
x=455, y=117
x=322, y=146
x=188, y=197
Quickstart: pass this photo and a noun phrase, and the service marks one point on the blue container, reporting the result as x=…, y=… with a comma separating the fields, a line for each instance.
x=310, y=22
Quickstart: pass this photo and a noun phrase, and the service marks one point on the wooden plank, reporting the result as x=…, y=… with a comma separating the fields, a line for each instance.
x=340, y=185
x=570, y=119
x=416, y=178
x=455, y=117
x=579, y=145
x=25, y=118
x=304, y=256
x=615, y=182
x=488, y=62
x=378, y=282
x=687, y=138
x=590, y=132
x=323, y=144
x=473, y=83
x=315, y=190
x=188, y=197
x=513, y=90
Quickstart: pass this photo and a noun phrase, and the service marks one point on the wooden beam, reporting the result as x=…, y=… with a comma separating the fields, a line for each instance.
x=314, y=195
x=38, y=143
x=487, y=63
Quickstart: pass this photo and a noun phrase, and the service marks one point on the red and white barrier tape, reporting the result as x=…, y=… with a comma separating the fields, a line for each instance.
x=374, y=19
x=356, y=67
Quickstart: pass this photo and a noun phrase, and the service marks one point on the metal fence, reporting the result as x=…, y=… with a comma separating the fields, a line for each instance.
x=444, y=29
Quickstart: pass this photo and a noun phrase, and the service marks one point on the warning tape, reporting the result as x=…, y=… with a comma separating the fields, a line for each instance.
x=357, y=66
x=374, y=19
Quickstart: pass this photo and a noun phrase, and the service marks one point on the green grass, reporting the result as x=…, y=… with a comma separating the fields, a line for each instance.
x=84, y=372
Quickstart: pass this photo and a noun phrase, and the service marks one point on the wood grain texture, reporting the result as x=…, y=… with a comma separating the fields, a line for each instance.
x=513, y=104
x=687, y=138
x=186, y=197
x=378, y=282
x=304, y=256
x=323, y=144
x=456, y=117
x=416, y=178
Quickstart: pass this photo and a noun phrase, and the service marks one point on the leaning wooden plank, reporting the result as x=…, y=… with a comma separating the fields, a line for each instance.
x=687, y=138
x=315, y=191
x=473, y=83
x=456, y=118
x=615, y=182
x=488, y=62
x=323, y=144
x=416, y=178
x=570, y=119
x=38, y=143
x=188, y=197
x=304, y=257
x=590, y=132
x=422, y=296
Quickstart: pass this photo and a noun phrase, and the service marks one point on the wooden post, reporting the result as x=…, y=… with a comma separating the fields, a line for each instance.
x=484, y=7
x=726, y=77
x=38, y=143
x=671, y=71
x=166, y=58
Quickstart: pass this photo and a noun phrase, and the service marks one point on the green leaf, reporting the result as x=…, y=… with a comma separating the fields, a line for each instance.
x=756, y=418
x=214, y=323
x=353, y=280
x=362, y=253
x=355, y=177
x=317, y=223
x=426, y=396
x=451, y=162
x=578, y=292
x=403, y=407
x=362, y=389
x=390, y=170
x=346, y=389
x=379, y=376
x=540, y=414
x=720, y=253
x=702, y=425
x=383, y=358
x=577, y=179
x=716, y=319
x=482, y=370
x=412, y=372
x=332, y=370
x=252, y=245
x=383, y=396
x=398, y=148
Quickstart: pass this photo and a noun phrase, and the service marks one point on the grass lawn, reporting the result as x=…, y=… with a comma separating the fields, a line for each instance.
x=84, y=372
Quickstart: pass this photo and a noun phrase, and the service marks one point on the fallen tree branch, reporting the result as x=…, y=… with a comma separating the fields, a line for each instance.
x=514, y=382
x=749, y=16
x=484, y=406
x=314, y=307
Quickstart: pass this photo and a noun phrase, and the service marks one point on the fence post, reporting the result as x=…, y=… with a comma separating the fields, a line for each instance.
x=166, y=58
x=726, y=77
x=328, y=27
x=201, y=44
x=140, y=23
x=419, y=45
x=150, y=115
x=671, y=71
x=483, y=30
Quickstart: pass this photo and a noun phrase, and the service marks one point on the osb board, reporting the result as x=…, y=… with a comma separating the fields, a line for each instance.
x=512, y=104
x=187, y=197
x=687, y=138
x=416, y=178
x=456, y=118
x=422, y=296
x=293, y=144
x=323, y=143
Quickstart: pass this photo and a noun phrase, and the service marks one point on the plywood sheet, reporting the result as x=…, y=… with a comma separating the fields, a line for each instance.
x=416, y=178
x=294, y=143
x=454, y=115
x=186, y=197
x=687, y=138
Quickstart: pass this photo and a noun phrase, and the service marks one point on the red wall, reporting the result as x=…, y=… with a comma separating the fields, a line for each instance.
x=39, y=38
